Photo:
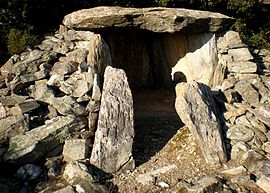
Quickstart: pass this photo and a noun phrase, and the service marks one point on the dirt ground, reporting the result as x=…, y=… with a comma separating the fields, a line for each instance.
x=163, y=146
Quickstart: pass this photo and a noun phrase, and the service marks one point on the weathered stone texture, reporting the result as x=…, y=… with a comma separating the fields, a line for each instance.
x=196, y=108
x=152, y=19
x=115, y=132
x=38, y=142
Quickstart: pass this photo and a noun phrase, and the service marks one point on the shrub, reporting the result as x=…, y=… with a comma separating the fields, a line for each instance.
x=18, y=40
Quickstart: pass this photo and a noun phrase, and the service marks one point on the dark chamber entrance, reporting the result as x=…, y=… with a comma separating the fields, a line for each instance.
x=142, y=55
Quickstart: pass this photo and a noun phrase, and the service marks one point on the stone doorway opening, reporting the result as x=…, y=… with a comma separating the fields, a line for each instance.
x=145, y=58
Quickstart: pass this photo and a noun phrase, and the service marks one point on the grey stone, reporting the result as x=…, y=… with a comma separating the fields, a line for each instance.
x=67, y=189
x=251, y=156
x=38, y=142
x=96, y=92
x=115, y=115
x=29, y=172
x=240, y=133
x=257, y=124
x=41, y=92
x=63, y=68
x=76, y=172
x=266, y=147
x=247, y=183
x=99, y=56
x=12, y=126
x=24, y=107
x=206, y=184
x=226, y=85
x=148, y=177
x=92, y=121
x=4, y=111
x=53, y=165
x=94, y=187
x=29, y=62
x=75, y=149
x=240, y=54
x=67, y=105
x=247, y=91
x=262, y=113
x=242, y=67
x=78, y=84
x=52, y=112
x=196, y=108
x=264, y=183
x=12, y=100
x=152, y=19
x=235, y=171
x=72, y=35
x=77, y=55
x=230, y=39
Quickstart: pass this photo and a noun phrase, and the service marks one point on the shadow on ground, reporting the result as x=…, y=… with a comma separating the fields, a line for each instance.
x=156, y=122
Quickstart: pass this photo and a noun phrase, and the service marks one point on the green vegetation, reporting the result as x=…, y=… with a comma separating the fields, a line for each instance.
x=18, y=40
x=22, y=22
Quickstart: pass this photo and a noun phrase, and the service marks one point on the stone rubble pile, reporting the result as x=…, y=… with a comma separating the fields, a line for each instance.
x=49, y=103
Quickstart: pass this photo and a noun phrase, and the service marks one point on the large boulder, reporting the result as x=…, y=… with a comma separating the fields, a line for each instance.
x=115, y=132
x=196, y=108
x=154, y=19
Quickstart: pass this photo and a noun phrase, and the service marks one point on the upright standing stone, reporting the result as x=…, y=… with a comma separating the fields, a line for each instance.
x=196, y=107
x=115, y=132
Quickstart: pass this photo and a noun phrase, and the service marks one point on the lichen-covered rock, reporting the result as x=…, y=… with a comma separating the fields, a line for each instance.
x=76, y=172
x=75, y=149
x=112, y=147
x=154, y=19
x=36, y=143
x=196, y=108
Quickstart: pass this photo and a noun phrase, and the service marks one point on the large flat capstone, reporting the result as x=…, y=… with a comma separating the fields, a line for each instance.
x=154, y=19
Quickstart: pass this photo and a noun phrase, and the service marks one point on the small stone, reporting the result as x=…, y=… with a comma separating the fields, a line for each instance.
x=240, y=54
x=235, y=171
x=13, y=125
x=63, y=68
x=76, y=172
x=67, y=189
x=266, y=147
x=240, y=133
x=264, y=183
x=75, y=149
x=234, y=112
x=251, y=156
x=257, y=124
x=53, y=166
x=163, y=185
x=242, y=67
x=96, y=93
x=148, y=177
x=206, y=184
x=24, y=107
x=226, y=85
x=67, y=105
x=247, y=91
x=12, y=100
x=29, y=172
x=262, y=113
